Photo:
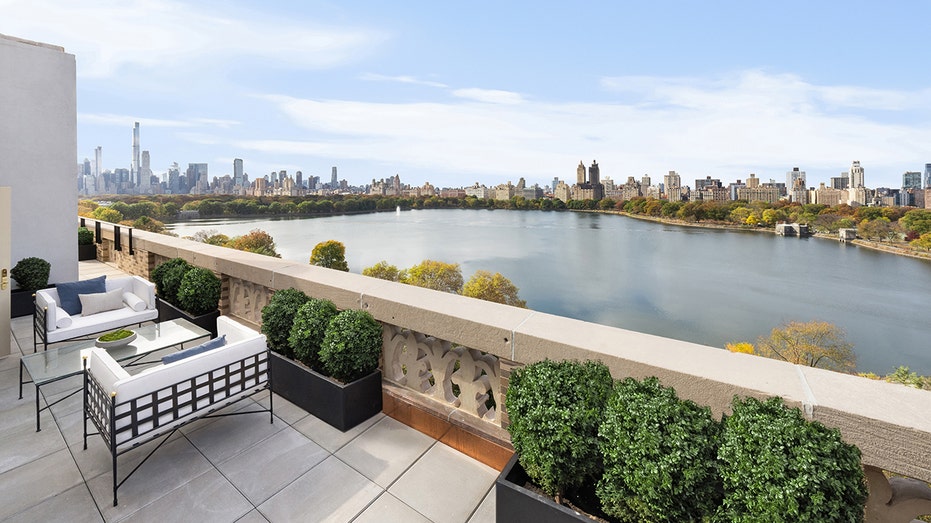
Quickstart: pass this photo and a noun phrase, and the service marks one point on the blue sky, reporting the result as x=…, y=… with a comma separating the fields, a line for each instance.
x=457, y=93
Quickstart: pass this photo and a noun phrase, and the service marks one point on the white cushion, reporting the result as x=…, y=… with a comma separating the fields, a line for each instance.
x=62, y=318
x=135, y=302
x=102, y=301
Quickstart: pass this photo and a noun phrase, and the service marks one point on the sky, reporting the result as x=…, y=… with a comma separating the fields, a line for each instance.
x=455, y=93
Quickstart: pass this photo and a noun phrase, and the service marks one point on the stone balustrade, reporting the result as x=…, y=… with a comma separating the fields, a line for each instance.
x=451, y=355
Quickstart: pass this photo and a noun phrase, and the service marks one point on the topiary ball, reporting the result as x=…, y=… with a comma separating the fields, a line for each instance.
x=351, y=346
x=309, y=330
x=199, y=292
x=278, y=318
x=31, y=273
x=167, y=278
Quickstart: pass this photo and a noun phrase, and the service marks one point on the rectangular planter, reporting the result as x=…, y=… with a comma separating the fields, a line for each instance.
x=340, y=405
x=21, y=303
x=514, y=503
x=87, y=252
x=167, y=311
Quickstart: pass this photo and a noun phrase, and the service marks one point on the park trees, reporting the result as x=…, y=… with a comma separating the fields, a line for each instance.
x=493, y=287
x=436, y=275
x=814, y=343
x=922, y=242
x=330, y=254
x=382, y=270
x=257, y=241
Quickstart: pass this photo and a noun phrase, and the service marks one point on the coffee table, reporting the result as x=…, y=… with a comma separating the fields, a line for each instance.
x=64, y=362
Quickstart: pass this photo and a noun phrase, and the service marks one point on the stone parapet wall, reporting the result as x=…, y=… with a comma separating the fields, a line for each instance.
x=890, y=423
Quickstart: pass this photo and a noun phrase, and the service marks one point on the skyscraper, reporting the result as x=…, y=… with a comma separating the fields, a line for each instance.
x=928, y=176
x=673, y=184
x=237, y=172
x=856, y=176
x=792, y=178
x=911, y=180
x=98, y=158
x=134, y=173
x=333, y=182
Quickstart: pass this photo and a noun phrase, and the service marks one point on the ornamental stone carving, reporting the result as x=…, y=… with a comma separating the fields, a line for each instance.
x=247, y=299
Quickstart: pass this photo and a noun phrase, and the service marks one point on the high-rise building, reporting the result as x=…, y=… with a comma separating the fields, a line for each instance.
x=928, y=176
x=98, y=159
x=792, y=178
x=840, y=182
x=134, y=173
x=911, y=180
x=237, y=172
x=856, y=176
x=197, y=177
x=299, y=180
x=174, y=179
x=333, y=182
x=673, y=184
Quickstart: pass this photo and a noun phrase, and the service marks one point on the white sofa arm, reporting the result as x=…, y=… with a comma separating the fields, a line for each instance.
x=47, y=301
x=105, y=369
x=145, y=290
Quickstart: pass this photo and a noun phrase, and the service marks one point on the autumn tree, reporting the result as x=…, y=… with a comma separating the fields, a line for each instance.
x=257, y=241
x=741, y=347
x=107, y=214
x=493, y=287
x=815, y=344
x=382, y=270
x=436, y=275
x=922, y=242
x=330, y=254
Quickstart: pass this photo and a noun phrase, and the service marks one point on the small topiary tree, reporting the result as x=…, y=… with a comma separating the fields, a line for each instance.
x=351, y=346
x=778, y=467
x=309, y=330
x=167, y=278
x=278, y=318
x=659, y=455
x=31, y=274
x=555, y=410
x=85, y=236
x=199, y=292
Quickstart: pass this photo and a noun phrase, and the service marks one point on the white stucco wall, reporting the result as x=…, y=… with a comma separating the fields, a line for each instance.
x=38, y=152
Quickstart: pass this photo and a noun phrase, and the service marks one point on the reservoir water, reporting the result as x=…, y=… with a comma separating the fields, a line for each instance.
x=706, y=286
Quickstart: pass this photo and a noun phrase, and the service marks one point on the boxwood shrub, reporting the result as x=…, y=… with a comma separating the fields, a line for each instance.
x=777, y=467
x=31, y=273
x=278, y=317
x=555, y=410
x=309, y=329
x=199, y=292
x=167, y=278
x=351, y=346
x=659, y=455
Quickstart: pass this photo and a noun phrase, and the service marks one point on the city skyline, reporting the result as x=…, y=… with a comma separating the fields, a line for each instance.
x=491, y=92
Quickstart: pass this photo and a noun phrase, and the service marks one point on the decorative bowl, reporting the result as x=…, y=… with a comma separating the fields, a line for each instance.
x=115, y=343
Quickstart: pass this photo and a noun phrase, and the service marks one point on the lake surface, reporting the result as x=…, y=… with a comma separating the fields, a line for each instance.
x=706, y=286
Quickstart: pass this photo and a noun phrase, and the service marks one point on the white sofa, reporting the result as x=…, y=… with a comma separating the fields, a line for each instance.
x=52, y=324
x=129, y=410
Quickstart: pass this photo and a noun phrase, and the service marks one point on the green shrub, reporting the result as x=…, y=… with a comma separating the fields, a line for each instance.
x=351, y=346
x=278, y=318
x=659, y=455
x=778, y=467
x=31, y=273
x=309, y=329
x=555, y=410
x=85, y=236
x=199, y=292
x=167, y=278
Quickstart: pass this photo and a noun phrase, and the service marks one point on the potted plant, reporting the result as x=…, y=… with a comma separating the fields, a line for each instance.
x=86, y=248
x=188, y=292
x=556, y=409
x=330, y=364
x=30, y=274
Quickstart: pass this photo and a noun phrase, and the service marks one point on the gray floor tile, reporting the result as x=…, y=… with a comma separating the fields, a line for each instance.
x=264, y=469
x=390, y=508
x=331, y=491
x=96, y=459
x=175, y=464
x=22, y=444
x=417, y=487
x=284, y=409
x=228, y=436
x=208, y=497
x=331, y=438
x=74, y=505
x=485, y=513
x=253, y=517
x=36, y=481
x=384, y=451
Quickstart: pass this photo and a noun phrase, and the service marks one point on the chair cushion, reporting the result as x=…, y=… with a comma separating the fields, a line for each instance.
x=68, y=292
x=104, y=301
x=215, y=343
x=135, y=302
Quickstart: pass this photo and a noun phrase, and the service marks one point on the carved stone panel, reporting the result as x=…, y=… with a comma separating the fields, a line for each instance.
x=247, y=299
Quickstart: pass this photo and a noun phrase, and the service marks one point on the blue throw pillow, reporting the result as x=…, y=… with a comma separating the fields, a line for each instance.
x=215, y=343
x=68, y=292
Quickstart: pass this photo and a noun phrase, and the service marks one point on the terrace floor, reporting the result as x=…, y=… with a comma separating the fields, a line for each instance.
x=237, y=468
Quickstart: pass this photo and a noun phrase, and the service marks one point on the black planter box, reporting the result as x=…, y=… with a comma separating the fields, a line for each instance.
x=21, y=303
x=514, y=503
x=340, y=405
x=167, y=311
x=87, y=252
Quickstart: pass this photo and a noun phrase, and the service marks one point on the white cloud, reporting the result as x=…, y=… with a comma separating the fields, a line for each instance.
x=727, y=127
x=109, y=36
x=126, y=121
x=404, y=79
x=492, y=96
